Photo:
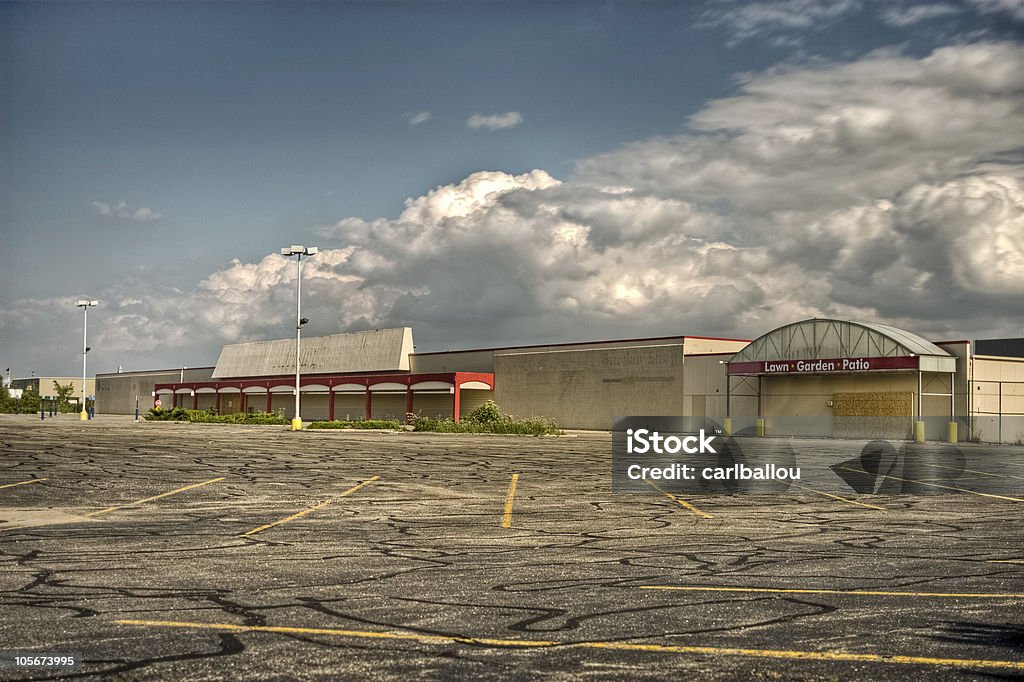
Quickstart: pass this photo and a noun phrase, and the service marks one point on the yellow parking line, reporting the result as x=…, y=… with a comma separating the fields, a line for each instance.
x=155, y=497
x=854, y=593
x=837, y=497
x=975, y=471
x=682, y=503
x=312, y=509
x=34, y=480
x=506, y=518
x=936, y=485
x=615, y=646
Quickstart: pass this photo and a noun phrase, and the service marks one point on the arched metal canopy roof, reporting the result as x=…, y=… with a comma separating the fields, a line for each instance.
x=816, y=338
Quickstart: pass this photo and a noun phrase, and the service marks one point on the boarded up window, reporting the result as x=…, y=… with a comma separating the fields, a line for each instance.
x=873, y=404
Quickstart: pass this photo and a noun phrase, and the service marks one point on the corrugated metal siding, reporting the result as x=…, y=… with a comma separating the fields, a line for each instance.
x=828, y=338
x=315, y=406
x=381, y=350
x=435, y=405
x=349, y=406
x=389, y=406
x=471, y=399
x=1007, y=348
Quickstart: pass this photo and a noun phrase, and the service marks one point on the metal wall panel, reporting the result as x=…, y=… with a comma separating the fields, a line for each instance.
x=381, y=350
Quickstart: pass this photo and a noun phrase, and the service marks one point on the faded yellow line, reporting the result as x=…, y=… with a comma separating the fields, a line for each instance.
x=837, y=497
x=936, y=485
x=34, y=480
x=853, y=593
x=614, y=646
x=975, y=471
x=682, y=503
x=155, y=497
x=310, y=510
x=506, y=518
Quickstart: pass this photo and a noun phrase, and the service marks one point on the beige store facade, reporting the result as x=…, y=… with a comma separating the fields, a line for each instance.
x=844, y=378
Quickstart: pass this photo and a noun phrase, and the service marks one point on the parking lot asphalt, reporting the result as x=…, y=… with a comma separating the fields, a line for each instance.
x=161, y=551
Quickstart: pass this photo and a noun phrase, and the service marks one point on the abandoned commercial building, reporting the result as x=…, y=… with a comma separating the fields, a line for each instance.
x=822, y=377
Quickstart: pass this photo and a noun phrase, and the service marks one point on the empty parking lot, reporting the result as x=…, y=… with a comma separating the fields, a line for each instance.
x=158, y=551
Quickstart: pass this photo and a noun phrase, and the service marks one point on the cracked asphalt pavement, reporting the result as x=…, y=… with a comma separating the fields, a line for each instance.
x=159, y=551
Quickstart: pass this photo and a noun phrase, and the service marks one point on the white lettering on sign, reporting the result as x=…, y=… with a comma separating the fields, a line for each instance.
x=845, y=364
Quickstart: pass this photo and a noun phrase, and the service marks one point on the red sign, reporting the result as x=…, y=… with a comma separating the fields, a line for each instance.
x=830, y=366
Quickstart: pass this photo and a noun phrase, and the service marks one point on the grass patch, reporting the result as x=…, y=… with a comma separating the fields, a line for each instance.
x=488, y=418
x=178, y=414
x=393, y=424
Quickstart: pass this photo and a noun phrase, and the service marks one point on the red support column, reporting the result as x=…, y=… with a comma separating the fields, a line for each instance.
x=456, y=410
x=195, y=399
x=408, y=400
x=174, y=399
x=218, y=403
x=330, y=405
x=270, y=401
x=369, y=404
x=241, y=401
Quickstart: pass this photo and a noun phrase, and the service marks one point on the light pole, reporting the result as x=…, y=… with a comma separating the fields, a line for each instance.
x=85, y=305
x=300, y=251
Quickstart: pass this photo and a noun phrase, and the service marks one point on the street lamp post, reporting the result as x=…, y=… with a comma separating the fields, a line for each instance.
x=300, y=251
x=85, y=304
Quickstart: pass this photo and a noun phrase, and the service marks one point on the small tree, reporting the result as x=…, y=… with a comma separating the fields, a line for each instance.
x=6, y=401
x=29, y=402
x=63, y=393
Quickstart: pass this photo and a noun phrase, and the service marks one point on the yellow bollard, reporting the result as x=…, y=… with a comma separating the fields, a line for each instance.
x=759, y=427
x=952, y=432
x=727, y=427
x=83, y=416
x=296, y=425
x=919, y=432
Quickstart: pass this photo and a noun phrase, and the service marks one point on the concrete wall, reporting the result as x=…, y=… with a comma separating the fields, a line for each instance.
x=704, y=385
x=699, y=345
x=458, y=361
x=586, y=389
x=115, y=393
x=470, y=399
x=44, y=385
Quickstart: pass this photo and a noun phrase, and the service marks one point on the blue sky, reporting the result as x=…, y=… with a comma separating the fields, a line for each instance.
x=144, y=146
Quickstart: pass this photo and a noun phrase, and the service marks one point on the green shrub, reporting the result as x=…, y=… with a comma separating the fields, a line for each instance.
x=210, y=417
x=175, y=414
x=362, y=424
x=488, y=413
x=487, y=418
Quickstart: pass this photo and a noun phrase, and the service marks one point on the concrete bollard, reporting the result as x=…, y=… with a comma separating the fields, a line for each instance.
x=759, y=427
x=727, y=427
x=919, y=432
x=953, y=432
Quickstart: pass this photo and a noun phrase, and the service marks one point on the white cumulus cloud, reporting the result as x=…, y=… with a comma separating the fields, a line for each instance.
x=890, y=188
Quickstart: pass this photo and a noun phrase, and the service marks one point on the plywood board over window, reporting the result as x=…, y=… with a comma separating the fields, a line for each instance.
x=873, y=404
